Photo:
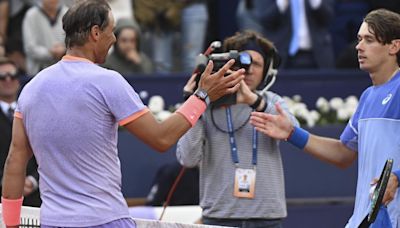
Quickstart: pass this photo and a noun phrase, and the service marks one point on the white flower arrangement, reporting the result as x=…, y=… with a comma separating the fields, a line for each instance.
x=156, y=106
x=336, y=110
x=333, y=111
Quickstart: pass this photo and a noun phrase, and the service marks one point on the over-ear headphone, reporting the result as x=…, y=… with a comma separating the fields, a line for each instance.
x=271, y=66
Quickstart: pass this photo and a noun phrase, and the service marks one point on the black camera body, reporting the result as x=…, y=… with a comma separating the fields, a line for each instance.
x=242, y=60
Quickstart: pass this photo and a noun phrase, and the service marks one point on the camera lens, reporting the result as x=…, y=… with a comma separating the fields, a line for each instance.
x=245, y=58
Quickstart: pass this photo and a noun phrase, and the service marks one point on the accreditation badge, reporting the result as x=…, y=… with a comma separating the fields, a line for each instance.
x=245, y=181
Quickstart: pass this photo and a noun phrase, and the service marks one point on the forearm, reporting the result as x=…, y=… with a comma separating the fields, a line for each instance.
x=172, y=129
x=17, y=160
x=159, y=135
x=330, y=150
x=14, y=177
x=185, y=117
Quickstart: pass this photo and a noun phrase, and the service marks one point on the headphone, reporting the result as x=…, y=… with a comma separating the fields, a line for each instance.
x=272, y=62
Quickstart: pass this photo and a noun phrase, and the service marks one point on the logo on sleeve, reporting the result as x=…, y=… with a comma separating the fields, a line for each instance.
x=387, y=99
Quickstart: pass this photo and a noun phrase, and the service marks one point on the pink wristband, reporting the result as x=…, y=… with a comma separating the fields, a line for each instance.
x=192, y=109
x=11, y=211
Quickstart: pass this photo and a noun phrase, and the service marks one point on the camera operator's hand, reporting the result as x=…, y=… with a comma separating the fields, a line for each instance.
x=188, y=89
x=190, y=85
x=216, y=85
x=245, y=95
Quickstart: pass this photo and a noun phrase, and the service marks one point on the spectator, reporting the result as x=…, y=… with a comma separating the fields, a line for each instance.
x=43, y=35
x=193, y=27
x=299, y=29
x=12, y=14
x=126, y=57
x=161, y=20
x=226, y=148
x=348, y=17
x=249, y=13
x=9, y=88
x=122, y=9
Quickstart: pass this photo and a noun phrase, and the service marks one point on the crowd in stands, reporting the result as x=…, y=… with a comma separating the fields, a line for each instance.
x=164, y=36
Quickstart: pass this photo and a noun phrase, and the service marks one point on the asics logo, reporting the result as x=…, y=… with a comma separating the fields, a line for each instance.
x=387, y=99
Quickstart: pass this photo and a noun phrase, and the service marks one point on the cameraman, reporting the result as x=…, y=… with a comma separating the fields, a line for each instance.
x=229, y=151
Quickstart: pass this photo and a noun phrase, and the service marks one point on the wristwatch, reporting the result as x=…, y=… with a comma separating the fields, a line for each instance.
x=202, y=95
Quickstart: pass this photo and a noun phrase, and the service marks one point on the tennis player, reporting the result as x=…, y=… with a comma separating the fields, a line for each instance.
x=373, y=133
x=68, y=116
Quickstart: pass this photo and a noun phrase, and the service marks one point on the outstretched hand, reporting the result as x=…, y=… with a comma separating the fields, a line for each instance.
x=217, y=84
x=275, y=126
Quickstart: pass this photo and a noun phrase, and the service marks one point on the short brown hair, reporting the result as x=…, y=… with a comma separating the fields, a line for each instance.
x=384, y=24
x=249, y=39
x=81, y=17
x=240, y=39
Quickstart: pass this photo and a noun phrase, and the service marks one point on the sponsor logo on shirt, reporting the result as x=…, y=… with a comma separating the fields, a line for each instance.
x=387, y=99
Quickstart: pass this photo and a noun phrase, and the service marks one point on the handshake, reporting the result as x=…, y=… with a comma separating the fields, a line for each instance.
x=216, y=83
x=232, y=60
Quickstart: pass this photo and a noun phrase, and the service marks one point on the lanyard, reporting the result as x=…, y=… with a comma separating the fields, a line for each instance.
x=232, y=140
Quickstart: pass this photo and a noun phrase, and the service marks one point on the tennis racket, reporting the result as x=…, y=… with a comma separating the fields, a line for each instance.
x=378, y=194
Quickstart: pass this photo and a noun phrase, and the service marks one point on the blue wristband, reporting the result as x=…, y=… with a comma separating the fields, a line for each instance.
x=298, y=137
x=397, y=173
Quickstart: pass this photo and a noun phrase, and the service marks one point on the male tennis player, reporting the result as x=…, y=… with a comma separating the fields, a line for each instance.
x=373, y=133
x=68, y=117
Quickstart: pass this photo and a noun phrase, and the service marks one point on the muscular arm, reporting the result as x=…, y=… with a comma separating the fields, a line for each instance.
x=162, y=135
x=326, y=149
x=159, y=135
x=17, y=160
x=330, y=150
